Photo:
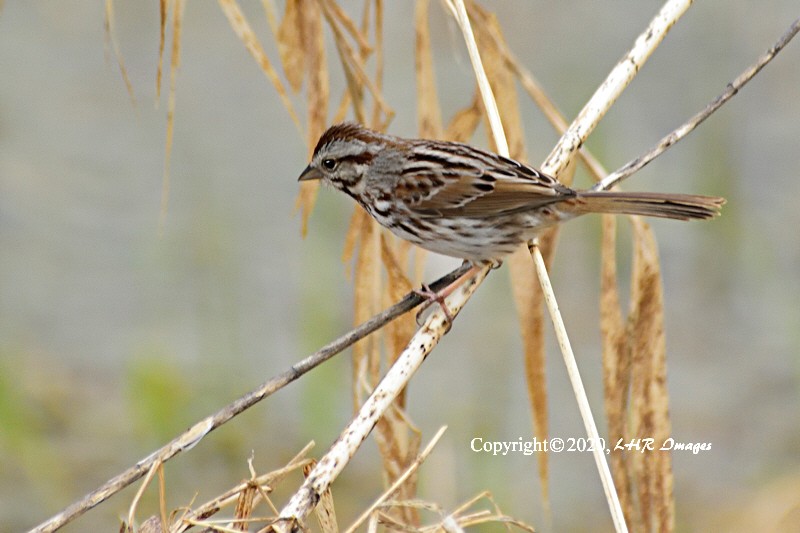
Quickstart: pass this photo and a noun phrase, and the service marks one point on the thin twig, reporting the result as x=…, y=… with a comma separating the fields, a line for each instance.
x=135, y=503
x=199, y=430
x=399, y=481
x=683, y=130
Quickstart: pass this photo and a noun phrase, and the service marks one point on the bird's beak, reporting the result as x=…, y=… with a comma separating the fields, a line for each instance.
x=310, y=173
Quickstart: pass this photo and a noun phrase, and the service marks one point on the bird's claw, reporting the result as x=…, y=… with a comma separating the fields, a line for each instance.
x=432, y=297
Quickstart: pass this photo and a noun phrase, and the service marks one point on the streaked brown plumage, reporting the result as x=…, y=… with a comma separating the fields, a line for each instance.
x=461, y=201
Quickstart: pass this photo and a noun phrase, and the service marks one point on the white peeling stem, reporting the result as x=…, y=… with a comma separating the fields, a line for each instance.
x=395, y=380
x=615, y=83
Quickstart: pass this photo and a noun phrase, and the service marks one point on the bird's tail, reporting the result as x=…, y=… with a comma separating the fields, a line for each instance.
x=664, y=205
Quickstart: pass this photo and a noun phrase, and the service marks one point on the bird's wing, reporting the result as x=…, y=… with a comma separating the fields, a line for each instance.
x=458, y=180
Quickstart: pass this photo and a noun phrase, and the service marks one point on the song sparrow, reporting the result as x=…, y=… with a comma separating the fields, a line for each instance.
x=461, y=201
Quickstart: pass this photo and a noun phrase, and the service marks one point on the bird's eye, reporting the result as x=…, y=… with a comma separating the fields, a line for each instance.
x=329, y=164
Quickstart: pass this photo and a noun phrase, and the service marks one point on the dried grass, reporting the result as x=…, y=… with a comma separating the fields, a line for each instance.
x=249, y=505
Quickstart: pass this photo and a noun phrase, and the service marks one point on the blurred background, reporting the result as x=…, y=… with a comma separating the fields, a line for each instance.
x=113, y=338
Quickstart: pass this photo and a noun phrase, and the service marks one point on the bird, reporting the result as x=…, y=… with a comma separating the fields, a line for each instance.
x=465, y=202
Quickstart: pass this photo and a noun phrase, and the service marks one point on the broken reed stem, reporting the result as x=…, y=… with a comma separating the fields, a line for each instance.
x=682, y=131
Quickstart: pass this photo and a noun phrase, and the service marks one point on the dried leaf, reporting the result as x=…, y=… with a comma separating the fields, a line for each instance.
x=318, y=82
x=244, y=508
x=353, y=66
x=429, y=115
x=394, y=254
x=306, y=198
x=649, y=391
x=616, y=362
x=530, y=316
x=376, y=110
x=353, y=234
x=634, y=365
x=367, y=300
x=501, y=79
x=291, y=39
x=347, y=23
x=272, y=16
x=347, y=57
